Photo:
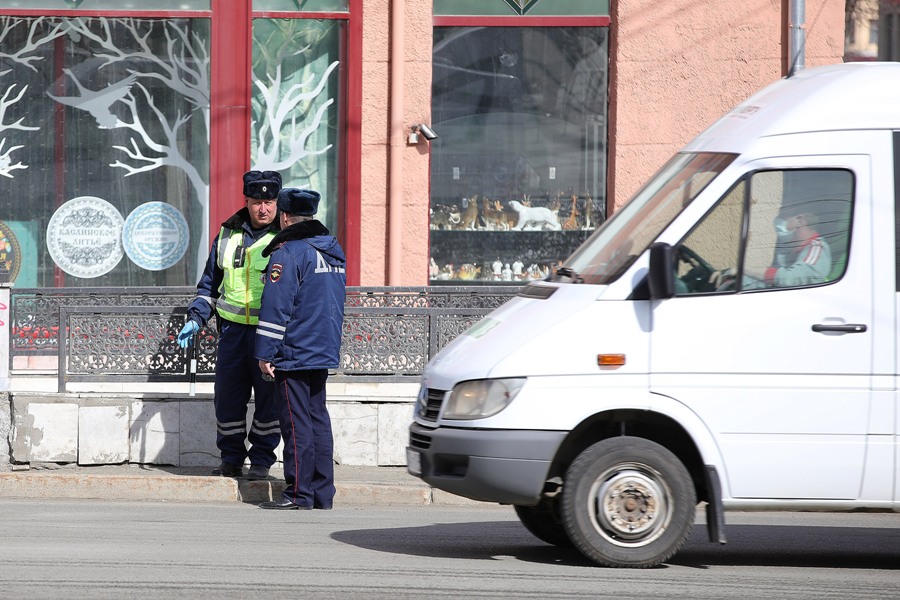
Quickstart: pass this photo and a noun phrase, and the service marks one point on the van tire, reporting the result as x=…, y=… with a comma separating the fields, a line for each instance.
x=638, y=479
x=544, y=523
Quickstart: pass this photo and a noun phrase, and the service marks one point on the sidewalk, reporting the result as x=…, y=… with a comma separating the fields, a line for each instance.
x=363, y=486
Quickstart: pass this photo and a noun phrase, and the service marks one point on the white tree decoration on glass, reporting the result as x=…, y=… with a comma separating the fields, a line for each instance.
x=291, y=74
x=278, y=106
x=183, y=67
x=6, y=164
x=36, y=37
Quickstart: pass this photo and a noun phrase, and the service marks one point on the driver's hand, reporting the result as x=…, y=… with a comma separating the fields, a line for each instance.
x=721, y=277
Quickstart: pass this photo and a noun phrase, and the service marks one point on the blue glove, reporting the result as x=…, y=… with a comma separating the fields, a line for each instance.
x=187, y=333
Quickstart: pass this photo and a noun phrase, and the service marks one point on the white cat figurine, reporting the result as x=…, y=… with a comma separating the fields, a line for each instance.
x=534, y=216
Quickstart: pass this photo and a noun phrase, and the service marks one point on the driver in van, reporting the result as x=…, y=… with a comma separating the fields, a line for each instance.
x=802, y=256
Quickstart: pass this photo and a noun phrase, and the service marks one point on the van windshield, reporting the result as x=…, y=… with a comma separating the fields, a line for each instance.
x=613, y=248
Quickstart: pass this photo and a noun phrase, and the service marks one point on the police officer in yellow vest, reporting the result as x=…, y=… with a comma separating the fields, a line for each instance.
x=232, y=285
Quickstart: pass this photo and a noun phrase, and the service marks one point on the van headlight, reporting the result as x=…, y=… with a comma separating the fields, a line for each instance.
x=481, y=398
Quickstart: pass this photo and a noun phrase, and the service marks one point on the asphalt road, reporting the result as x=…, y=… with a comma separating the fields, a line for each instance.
x=101, y=549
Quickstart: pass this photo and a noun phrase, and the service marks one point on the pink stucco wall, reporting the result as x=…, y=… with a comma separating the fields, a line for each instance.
x=379, y=147
x=676, y=66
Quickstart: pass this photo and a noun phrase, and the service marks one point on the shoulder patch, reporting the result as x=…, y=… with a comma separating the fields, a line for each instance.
x=275, y=272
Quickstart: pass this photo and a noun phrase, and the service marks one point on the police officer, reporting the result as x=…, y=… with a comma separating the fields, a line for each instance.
x=298, y=340
x=232, y=285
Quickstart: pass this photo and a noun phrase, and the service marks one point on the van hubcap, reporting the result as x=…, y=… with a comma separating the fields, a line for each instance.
x=630, y=506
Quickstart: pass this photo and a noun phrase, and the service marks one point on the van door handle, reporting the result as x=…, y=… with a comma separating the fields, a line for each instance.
x=849, y=328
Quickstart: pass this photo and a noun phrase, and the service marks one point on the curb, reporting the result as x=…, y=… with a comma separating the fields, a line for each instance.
x=175, y=487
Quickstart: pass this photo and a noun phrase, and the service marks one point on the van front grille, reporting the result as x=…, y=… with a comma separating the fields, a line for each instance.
x=433, y=403
x=419, y=441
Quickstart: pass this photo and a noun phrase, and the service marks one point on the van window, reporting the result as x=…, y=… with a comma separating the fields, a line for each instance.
x=714, y=246
x=613, y=248
x=793, y=227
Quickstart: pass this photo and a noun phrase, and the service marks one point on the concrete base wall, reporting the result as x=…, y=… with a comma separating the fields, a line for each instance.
x=369, y=422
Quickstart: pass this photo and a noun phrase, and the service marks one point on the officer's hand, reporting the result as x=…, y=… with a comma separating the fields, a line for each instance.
x=268, y=371
x=187, y=333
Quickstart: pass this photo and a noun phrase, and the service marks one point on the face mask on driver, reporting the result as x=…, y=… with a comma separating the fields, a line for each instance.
x=782, y=232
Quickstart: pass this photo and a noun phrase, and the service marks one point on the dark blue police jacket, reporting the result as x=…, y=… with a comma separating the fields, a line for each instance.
x=302, y=313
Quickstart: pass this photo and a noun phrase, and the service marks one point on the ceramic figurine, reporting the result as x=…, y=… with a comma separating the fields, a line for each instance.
x=469, y=213
x=538, y=217
x=468, y=271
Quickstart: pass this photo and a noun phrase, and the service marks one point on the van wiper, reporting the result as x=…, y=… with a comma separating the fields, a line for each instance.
x=570, y=273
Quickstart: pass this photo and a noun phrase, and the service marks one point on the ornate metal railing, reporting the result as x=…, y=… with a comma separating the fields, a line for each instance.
x=129, y=334
x=35, y=312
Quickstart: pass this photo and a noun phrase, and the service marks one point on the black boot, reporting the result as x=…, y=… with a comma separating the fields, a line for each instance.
x=228, y=470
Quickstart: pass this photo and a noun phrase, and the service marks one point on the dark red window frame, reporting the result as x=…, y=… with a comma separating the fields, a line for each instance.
x=230, y=95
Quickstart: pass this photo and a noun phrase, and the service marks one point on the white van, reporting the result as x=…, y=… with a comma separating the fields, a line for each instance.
x=729, y=337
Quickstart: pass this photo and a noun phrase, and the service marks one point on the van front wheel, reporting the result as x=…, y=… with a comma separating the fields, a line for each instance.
x=628, y=502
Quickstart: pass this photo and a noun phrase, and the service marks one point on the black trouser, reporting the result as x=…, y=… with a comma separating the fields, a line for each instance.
x=308, y=441
x=237, y=373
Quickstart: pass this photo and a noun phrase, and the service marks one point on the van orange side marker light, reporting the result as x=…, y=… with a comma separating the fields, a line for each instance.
x=610, y=360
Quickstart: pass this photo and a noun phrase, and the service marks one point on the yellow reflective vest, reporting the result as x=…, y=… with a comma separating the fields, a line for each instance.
x=244, y=272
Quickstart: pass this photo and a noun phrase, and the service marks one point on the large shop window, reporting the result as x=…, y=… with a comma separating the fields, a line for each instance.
x=296, y=113
x=518, y=172
x=104, y=149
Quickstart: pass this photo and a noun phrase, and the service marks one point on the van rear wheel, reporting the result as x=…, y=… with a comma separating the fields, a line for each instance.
x=628, y=502
x=544, y=523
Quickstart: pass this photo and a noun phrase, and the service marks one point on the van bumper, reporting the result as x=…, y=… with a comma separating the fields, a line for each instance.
x=505, y=466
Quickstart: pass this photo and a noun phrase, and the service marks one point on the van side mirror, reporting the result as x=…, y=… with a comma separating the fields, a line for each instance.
x=661, y=278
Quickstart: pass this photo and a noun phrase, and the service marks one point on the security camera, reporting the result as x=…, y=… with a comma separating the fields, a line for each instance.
x=427, y=132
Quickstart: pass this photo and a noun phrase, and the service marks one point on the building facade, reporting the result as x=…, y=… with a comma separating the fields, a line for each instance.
x=861, y=31
x=888, y=30
x=125, y=126
x=455, y=142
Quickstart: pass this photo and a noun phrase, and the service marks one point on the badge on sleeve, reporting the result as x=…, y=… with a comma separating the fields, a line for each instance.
x=275, y=272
